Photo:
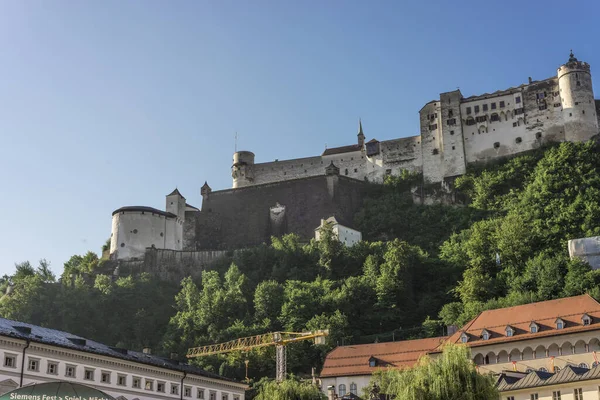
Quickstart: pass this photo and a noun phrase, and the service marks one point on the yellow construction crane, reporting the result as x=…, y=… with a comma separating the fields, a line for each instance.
x=278, y=339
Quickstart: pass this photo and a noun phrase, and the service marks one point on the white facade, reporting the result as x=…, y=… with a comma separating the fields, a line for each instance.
x=348, y=236
x=586, y=249
x=345, y=385
x=455, y=131
x=122, y=379
x=136, y=228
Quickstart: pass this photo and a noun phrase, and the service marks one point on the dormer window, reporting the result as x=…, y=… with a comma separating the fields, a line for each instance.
x=485, y=335
x=586, y=319
x=372, y=362
x=560, y=324
x=534, y=328
x=464, y=338
x=509, y=331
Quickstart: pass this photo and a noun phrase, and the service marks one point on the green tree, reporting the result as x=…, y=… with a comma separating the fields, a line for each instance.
x=451, y=376
x=289, y=389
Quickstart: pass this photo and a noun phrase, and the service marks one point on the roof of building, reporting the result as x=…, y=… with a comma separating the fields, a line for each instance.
x=38, y=334
x=144, y=209
x=344, y=149
x=192, y=207
x=519, y=318
x=354, y=360
x=175, y=192
x=537, y=378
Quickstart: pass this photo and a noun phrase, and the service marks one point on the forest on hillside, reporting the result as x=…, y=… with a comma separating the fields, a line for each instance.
x=419, y=269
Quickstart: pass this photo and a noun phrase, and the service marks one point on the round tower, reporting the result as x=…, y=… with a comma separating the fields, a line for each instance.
x=241, y=170
x=577, y=100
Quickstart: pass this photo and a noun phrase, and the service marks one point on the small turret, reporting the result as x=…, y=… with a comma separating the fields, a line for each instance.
x=205, y=191
x=361, y=135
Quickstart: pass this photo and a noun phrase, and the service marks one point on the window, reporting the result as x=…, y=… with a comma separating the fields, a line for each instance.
x=481, y=118
x=556, y=395
x=468, y=110
x=70, y=371
x=515, y=124
x=105, y=377
x=560, y=324
x=496, y=145
x=470, y=121
x=595, y=364
x=510, y=398
x=33, y=364
x=518, y=99
x=518, y=140
x=485, y=336
x=509, y=331
x=586, y=319
x=556, y=104
x=212, y=396
x=353, y=388
x=501, y=104
x=160, y=387
x=372, y=362
x=464, y=338
x=346, y=171
x=538, y=135
x=452, y=132
x=435, y=151
x=542, y=106
x=137, y=382
x=494, y=117
x=540, y=96
x=485, y=107
x=583, y=365
x=224, y=396
x=556, y=369
x=578, y=83
x=88, y=375
x=519, y=111
x=121, y=380
x=533, y=396
x=533, y=329
x=476, y=109
x=578, y=394
x=433, y=127
x=149, y=384
x=342, y=390
x=52, y=368
x=543, y=369
x=187, y=391
x=493, y=106
x=10, y=361
x=174, y=389
x=200, y=394
x=451, y=121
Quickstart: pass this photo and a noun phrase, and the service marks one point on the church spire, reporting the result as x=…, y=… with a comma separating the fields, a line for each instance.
x=361, y=135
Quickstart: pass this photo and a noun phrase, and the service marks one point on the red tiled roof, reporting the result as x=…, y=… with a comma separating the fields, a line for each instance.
x=544, y=314
x=343, y=149
x=354, y=360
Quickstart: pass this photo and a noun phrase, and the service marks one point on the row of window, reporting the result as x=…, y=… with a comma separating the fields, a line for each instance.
x=89, y=374
x=484, y=107
x=342, y=389
x=533, y=326
x=556, y=395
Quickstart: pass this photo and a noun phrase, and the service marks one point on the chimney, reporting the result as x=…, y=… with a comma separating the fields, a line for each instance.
x=451, y=330
x=147, y=350
x=530, y=80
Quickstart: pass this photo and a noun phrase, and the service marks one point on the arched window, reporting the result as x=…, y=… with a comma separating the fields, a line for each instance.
x=353, y=388
x=556, y=369
x=595, y=364
x=342, y=389
x=543, y=369
x=584, y=365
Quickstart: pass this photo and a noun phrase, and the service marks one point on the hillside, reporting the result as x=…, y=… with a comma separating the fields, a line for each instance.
x=420, y=267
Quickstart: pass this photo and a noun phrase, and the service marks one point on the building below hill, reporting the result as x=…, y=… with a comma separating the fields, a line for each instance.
x=346, y=235
x=547, y=336
x=33, y=354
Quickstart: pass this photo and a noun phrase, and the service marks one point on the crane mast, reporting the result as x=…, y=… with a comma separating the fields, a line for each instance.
x=278, y=339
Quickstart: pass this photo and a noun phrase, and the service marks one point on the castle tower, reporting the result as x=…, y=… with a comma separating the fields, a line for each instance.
x=361, y=135
x=242, y=169
x=176, y=204
x=577, y=100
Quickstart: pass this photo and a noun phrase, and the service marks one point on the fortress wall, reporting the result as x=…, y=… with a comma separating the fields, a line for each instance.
x=352, y=164
x=175, y=265
x=288, y=169
x=238, y=218
x=394, y=156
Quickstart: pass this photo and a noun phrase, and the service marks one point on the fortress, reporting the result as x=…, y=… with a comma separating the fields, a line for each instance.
x=274, y=198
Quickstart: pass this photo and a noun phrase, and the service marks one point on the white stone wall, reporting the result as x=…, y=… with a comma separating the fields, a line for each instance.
x=115, y=367
x=349, y=237
x=586, y=249
x=361, y=381
x=394, y=156
x=134, y=231
x=577, y=98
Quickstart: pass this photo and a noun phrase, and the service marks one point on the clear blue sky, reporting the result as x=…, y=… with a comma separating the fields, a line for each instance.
x=111, y=103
